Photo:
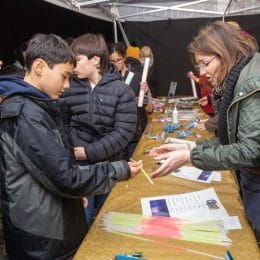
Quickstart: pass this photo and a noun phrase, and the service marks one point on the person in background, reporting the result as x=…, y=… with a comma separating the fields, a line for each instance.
x=12, y=69
x=234, y=68
x=102, y=109
x=20, y=55
x=41, y=186
x=131, y=60
x=133, y=51
x=204, y=93
x=118, y=58
x=153, y=76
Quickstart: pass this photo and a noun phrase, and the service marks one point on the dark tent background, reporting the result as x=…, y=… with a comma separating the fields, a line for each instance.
x=169, y=40
x=20, y=19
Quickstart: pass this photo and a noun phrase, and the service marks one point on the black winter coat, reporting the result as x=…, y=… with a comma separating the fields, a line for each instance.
x=103, y=120
x=41, y=189
x=141, y=113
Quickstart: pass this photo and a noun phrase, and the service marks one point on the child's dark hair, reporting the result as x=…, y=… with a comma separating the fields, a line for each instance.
x=49, y=47
x=92, y=45
x=118, y=47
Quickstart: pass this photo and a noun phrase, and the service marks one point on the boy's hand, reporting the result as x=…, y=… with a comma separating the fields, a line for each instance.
x=135, y=167
x=80, y=154
x=85, y=202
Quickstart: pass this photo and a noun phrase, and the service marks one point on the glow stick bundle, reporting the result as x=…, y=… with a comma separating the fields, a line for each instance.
x=144, y=78
x=176, y=248
x=211, y=232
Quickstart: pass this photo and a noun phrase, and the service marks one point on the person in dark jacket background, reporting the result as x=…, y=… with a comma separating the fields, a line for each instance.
x=132, y=76
x=103, y=110
x=41, y=188
x=153, y=78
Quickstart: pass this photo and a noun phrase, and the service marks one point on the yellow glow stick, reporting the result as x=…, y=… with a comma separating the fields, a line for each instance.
x=144, y=172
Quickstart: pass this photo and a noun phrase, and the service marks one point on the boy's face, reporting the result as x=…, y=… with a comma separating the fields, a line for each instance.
x=54, y=81
x=85, y=67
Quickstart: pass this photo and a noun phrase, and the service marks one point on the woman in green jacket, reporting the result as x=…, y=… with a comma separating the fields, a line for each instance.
x=229, y=61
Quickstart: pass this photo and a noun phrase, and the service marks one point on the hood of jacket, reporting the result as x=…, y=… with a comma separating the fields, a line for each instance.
x=13, y=85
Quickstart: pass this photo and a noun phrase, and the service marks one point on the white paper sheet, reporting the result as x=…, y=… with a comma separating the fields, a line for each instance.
x=198, y=205
x=196, y=174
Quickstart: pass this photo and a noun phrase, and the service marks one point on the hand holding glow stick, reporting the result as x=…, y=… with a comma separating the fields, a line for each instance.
x=194, y=90
x=192, y=78
x=144, y=172
x=144, y=78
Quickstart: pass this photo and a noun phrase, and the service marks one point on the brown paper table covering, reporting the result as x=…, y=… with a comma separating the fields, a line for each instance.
x=125, y=197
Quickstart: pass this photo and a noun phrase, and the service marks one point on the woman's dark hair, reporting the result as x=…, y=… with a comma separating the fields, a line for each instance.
x=118, y=47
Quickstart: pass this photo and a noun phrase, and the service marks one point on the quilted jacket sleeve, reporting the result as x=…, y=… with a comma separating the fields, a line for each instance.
x=39, y=151
x=244, y=152
x=125, y=119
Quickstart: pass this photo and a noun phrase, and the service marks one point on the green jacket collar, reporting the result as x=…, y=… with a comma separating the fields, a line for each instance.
x=249, y=79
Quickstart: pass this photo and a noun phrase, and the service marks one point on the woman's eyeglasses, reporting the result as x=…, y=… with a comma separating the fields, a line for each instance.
x=203, y=65
x=118, y=60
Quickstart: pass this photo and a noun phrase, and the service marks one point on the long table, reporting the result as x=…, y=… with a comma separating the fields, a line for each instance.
x=125, y=197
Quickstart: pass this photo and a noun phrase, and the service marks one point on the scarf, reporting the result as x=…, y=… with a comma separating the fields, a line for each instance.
x=218, y=92
x=228, y=95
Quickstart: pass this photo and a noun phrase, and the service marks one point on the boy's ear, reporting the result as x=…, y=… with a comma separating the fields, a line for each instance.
x=96, y=60
x=39, y=66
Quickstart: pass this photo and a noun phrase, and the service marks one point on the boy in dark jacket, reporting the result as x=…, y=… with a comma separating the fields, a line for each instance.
x=41, y=189
x=103, y=109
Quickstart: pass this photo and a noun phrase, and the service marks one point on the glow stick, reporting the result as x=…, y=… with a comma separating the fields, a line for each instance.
x=194, y=90
x=129, y=78
x=144, y=78
x=144, y=172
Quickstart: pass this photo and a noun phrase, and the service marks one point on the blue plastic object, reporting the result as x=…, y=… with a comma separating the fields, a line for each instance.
x=127, y=257
x=191, y=125
x=183, y=134
x=171, y=127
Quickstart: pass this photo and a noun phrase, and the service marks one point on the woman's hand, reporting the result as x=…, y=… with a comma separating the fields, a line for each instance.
x=201, y=126
x=174, y=160
x=156, y=152
x=203, y=101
